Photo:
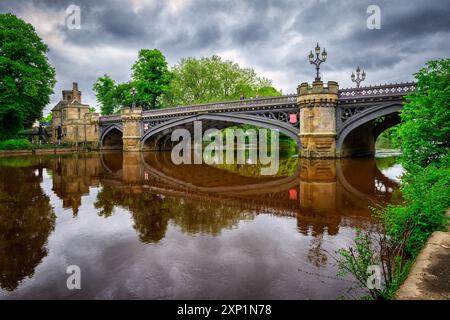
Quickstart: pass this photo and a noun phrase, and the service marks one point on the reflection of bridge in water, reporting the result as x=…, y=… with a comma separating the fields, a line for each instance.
x=322, y=195
x=324, y=192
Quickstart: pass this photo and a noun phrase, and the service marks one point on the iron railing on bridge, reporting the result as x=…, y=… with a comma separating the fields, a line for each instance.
x=217, y=106
x=395, y=89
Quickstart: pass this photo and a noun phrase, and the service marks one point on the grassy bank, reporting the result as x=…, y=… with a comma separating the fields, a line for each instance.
x=24, y=144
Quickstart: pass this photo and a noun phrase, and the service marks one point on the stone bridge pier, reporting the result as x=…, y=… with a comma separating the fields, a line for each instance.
x=318, y=105
x=131, y=122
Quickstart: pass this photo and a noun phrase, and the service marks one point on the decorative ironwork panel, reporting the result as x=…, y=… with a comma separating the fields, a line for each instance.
x=291, y=117
x=374, y=91
x=349, y=112
x=149, y=124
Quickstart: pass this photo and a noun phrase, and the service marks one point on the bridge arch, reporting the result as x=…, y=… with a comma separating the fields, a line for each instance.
x=111, y=163
x=219, y=121
x=363, y=191
x=111, y=137
x=357, y=135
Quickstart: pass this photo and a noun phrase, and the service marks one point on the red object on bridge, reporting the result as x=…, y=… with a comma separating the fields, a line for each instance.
x=293, y=194
x=293, y=118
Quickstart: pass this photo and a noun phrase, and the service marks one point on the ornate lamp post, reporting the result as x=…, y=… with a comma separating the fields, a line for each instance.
x=317, y=61
x=133, y=94
x=358, y=79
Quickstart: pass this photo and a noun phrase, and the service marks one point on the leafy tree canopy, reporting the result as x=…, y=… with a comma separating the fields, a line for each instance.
x=190, y=81
x=151, y=78
x=48, y=118
x=104, y=89
x=213, y=79
x=425, y=131
x=27, y=78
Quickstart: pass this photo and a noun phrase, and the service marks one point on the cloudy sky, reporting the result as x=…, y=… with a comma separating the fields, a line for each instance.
x=272, y=36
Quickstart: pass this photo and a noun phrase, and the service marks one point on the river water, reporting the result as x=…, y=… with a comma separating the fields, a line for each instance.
x=140, y=227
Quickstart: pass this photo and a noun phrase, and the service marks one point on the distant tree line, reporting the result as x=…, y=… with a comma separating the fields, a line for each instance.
x=191, y=81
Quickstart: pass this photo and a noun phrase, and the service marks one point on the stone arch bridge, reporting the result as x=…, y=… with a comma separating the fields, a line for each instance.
x=326, y=122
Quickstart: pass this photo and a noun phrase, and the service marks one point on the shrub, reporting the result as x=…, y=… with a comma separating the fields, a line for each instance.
x=424, y=134
x=375, y=250
x=426, y=195
x=15, y=144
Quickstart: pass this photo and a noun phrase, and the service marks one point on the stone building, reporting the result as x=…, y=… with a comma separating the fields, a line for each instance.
x=72, y=122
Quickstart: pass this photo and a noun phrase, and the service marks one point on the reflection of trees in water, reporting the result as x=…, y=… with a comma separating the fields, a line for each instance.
x=26, y=220
x=151, y=213
x=150, y=216
x=286, y=168
x=107, y=198
x=148, y=211
x=205, y=217
x=384, y=163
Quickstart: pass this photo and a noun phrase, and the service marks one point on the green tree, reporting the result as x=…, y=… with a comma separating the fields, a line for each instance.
x=424, y=135
x=122, y=95
x=48, y=118
x=213, y=79
x=104, y=89
x=27, y=78
x=151, y=77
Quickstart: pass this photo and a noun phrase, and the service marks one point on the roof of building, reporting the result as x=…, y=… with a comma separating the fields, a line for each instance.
x=66, y=103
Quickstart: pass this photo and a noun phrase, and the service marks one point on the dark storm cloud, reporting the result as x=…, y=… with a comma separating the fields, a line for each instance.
x=409, y=29
x=252, y=32
x=409, y=25
x=274, y=37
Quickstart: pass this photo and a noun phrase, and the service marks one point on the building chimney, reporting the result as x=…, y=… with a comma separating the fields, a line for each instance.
x=75, y=92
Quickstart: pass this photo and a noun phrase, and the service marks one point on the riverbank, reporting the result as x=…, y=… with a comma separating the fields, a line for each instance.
x=429, y=278
x=29, y=152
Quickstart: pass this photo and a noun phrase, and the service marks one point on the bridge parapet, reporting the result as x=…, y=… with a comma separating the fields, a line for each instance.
x=387, y=91
x=110, y=118
x=225, y=106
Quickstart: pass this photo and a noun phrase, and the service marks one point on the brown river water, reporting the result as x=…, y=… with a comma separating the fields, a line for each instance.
x=140, y=227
